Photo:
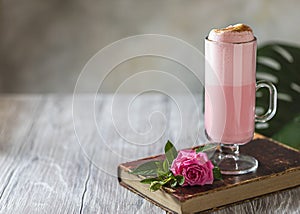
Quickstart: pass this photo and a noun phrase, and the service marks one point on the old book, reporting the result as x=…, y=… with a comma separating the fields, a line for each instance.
x=279, y=168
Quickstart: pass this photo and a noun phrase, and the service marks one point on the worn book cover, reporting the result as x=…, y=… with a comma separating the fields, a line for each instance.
x=279, y=168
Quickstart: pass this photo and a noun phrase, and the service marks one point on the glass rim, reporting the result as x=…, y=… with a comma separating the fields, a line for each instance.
x=231, y=43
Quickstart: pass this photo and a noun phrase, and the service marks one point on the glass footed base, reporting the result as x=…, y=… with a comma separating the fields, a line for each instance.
x=231, y=162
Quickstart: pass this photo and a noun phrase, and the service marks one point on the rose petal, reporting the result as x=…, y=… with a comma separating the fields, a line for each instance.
x=196, y=168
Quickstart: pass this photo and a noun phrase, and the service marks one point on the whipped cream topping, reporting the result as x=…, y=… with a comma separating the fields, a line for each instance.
x=232, y=34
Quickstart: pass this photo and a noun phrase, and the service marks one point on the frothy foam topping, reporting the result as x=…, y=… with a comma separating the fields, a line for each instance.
x=232, y=34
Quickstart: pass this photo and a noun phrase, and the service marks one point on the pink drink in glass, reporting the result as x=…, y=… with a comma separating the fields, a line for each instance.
x=238, y=116
x=230, y=90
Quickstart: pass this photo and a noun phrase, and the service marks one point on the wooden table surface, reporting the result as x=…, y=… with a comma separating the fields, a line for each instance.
x=60, y=156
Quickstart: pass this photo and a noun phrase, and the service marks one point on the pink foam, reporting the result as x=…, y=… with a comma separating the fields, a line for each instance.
x=232, y=34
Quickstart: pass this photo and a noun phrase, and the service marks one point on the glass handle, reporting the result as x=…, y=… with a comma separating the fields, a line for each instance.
x=272, y=102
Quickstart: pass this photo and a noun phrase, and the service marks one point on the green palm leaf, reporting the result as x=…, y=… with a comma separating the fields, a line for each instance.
x=280, y=64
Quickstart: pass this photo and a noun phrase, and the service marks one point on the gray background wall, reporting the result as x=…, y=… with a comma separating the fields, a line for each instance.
x=45, y=44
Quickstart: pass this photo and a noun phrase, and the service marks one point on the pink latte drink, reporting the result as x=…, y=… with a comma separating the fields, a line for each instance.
x=230, y=84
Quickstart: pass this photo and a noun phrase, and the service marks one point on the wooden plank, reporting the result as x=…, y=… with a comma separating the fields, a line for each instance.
x=103, y=193
x=45, y=167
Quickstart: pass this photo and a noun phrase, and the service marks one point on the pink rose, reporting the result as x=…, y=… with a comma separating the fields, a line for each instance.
x=196, y=169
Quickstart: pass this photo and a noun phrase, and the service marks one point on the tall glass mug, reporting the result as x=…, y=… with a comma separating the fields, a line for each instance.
x=230, y=88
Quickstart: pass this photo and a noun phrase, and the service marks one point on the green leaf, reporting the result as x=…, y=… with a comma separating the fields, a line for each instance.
x=149, y=180
x=205, y=148
x=170, y=152
x=173, y=183
x=170, y=174
x=155, y=185
x=161, y=173
x=159, y=164
x=166, y=180
x=290, y=133
x=160, y=168
x=146, y=169
x=286, y=78
x=163, y=180
x=166, y=165
x=217, y=173
x=180, y=179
